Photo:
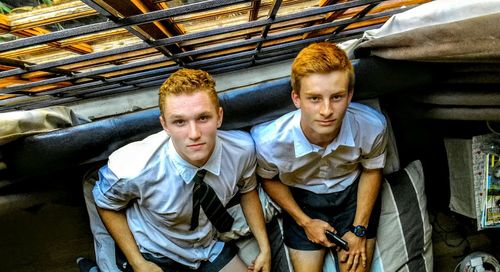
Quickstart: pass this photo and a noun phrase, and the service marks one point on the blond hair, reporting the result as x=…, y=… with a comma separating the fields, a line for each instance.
x=188, y=81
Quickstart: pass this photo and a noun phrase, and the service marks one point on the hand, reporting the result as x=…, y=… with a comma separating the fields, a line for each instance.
x=262, y=263
x=357, y=251
x=315, y=230
x=147, y=266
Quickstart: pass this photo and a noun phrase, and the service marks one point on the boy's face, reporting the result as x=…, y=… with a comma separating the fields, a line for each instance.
x=323, y=101
x=192, y=122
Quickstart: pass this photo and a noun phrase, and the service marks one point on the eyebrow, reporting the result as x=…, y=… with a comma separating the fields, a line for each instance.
x=180, y=116
x=317, y=93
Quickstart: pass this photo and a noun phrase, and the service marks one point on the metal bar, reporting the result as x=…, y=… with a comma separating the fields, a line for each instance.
x=84, y=74
x=25, y=66
x=70, y=88
x=142, y=80
x=271, y=17
x=277, y=58
x=222, y=58
x=360, y=14
x=106, y=87
x=219, y=47
x=227, y=63
x=151, y=83
x=267, y=50
x=334, y=24
x=231, y=69
x=93, y=93
x=130, y=29
x=132, y=20
x=153, y=71
x=76, y=59
x=271, y=37
x=193, y=36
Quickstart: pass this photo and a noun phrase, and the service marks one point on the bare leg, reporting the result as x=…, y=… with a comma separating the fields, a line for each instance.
x=370, y=248
x=307, y=261
x=236, y=265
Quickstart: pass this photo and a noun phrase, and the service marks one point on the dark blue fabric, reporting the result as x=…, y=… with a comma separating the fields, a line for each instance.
x=338, y=209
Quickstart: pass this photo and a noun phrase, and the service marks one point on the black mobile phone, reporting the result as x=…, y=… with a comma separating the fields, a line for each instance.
x=334, y=238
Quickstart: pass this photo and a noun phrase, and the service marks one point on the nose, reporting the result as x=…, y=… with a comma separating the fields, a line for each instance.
x=326, y=108
x=194, y=131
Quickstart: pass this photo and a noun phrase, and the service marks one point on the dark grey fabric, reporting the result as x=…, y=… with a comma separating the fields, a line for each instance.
x=406, y=200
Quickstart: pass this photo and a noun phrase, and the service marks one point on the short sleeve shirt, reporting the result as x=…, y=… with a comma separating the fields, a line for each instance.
x=283, y=150
x=154, y=184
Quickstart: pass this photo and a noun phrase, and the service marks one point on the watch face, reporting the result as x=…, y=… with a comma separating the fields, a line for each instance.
x=359, y=231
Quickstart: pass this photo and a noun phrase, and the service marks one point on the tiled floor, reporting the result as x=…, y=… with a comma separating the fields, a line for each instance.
x=51, y=236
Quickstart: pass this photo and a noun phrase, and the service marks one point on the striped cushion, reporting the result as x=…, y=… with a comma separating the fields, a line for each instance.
x=404, y=232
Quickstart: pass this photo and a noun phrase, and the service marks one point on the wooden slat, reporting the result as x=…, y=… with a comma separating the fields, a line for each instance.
x=7, y=96
x=50, y=15
x=156, y=30
x=4, y=24
x=46, y=49
x=81, y=48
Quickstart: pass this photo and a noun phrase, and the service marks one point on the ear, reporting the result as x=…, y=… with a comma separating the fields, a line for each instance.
x=349, y=95
x=164, y=124
x=295, y=98
x=219, y=117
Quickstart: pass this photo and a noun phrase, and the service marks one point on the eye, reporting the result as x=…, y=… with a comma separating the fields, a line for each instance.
x=204, y=118
x=178, y=123
x=314, y=99
x=337, y=97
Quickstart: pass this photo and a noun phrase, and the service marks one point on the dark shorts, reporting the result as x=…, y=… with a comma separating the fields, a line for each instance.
x=338, y=209
x=168, y=265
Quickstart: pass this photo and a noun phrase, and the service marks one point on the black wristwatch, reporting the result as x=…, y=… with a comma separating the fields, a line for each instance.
x=359, y=231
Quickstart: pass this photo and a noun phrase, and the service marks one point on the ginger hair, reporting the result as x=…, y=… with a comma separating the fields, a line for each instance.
x=323, y=58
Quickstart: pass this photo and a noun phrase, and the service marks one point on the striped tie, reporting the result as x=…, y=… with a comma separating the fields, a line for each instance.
x=204, y=196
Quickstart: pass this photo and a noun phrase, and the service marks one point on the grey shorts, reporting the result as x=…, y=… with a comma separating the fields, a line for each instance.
x=338, y=209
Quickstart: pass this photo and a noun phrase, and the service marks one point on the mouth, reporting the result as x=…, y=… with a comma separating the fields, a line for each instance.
x=196, y=146
x=326, y=122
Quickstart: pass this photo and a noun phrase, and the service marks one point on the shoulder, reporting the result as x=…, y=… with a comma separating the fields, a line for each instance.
x=277, y=128
x=366, y=116
x=236, y=139
x=132, y=159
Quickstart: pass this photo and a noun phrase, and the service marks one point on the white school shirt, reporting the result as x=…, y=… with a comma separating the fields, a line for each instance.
x=153, y=183
x=284, y=151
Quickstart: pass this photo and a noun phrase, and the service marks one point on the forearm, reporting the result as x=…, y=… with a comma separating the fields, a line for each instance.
x=368, y=190
x=281, y=194
x=252, y=209
x=117, y=226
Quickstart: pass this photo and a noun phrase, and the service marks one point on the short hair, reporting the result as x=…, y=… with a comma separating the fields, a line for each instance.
x=187, y=81
x=323, y=58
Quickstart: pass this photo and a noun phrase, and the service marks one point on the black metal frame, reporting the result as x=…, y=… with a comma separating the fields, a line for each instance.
x=100, y=85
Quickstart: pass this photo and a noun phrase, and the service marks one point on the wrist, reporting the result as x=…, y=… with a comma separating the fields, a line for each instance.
x=358, y=230
x=137, y=261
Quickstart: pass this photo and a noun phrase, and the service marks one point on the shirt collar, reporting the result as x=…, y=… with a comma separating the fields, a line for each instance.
x=345, y=137
x=302, y=145
x=187, y=170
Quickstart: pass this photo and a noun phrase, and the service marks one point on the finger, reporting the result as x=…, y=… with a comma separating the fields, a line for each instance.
x=363, y=259
x=355, y=262
x=343, y=256
x=350, y=260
